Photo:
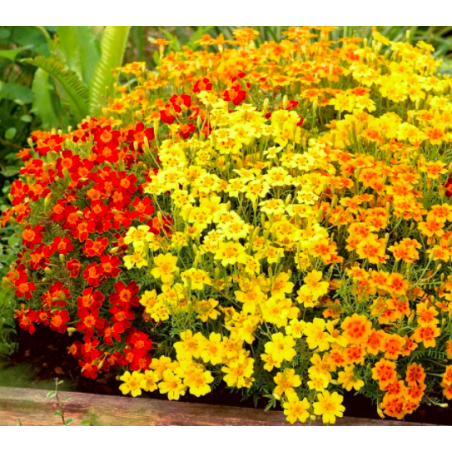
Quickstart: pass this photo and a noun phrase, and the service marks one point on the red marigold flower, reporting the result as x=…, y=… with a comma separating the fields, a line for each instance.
x=56, y=296
x=138, y=134
x=95, y=248
x=127, y=183
x=23, y=287
x=110, y=265
x=202, y=85
x=234, y=95
x=185, y=130
x=89, y=369
x=179, y=101
x=38, y=258
x=24, y=154
x=52, y=143
x=90, y=299
x=68, y=162
x=122, y=315
x=448, y=185
x=61, y=245
x=26, y=318
x=166, y=116
x=83, y=229
x=143, y=208
x=43, y=317
x=93, y=274
x=73, y=266
x=139, y=340
x=32, y=236
x=75, y=349
x=88, y=321
x=58, y=322
x=138, y=362
x=89, y=348
x=111, y=332
x=126, y=295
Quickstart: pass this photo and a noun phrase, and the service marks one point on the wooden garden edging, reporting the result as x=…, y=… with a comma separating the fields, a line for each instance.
x=32, y=407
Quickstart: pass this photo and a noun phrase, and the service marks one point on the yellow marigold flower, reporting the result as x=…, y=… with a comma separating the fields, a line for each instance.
x=285, y=382
x=348, y=380
x=229, y=253
x=281, y=347
x=165, y=267
x=159, y=365
x=316, y=336
x=314, y=287
x=137, y=235
x=132, y=383
x=137, y=259
x=190, y=346
x=214, y=350
x=149, y=381
x=196, y=278
x=172, y=385
x=198, y=382
x=295, y=328
x=296, y=409
x=239, y=372
x=206, y=309
x=329, y=407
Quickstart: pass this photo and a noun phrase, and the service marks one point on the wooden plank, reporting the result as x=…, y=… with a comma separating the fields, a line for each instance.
x=32, y=407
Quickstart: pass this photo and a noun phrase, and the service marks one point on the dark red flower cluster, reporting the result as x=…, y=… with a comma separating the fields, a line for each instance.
x=84, y=190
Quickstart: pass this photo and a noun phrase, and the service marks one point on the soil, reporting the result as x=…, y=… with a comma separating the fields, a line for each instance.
x=46, y=353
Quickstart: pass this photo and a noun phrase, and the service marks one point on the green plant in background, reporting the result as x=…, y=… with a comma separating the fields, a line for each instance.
x=80, y=65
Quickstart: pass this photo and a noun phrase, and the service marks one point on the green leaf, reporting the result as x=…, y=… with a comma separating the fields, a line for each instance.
x=113, y=46
x=43, y=100
x=10, y=171
x=68, y=44
x=76, y=93
x=11, y=54
x=10, y=133
x=69, y=421
x=51, y=394
x=26, y=118
x=15, y=92
x=57, y=413
x=4, y=33
x=89, y=48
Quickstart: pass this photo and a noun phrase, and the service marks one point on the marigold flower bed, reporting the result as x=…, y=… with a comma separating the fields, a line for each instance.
x=276, y=217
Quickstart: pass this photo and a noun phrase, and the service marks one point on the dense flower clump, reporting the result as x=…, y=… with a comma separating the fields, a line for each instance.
x=273, y=218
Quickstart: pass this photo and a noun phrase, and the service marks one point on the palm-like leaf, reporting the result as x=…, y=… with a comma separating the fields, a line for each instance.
x=113, y=46
x=74, y=90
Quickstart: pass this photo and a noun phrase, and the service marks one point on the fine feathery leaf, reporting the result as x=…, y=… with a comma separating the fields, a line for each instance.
x=113, y=46
x=75, y=91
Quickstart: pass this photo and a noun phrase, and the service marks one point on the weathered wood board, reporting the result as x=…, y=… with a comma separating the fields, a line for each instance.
x=32, y=407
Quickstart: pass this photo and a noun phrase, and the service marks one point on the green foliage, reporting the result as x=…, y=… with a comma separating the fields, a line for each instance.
x=9, y=247
x=113, y=46
x=80, y=67
x=73, y=91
